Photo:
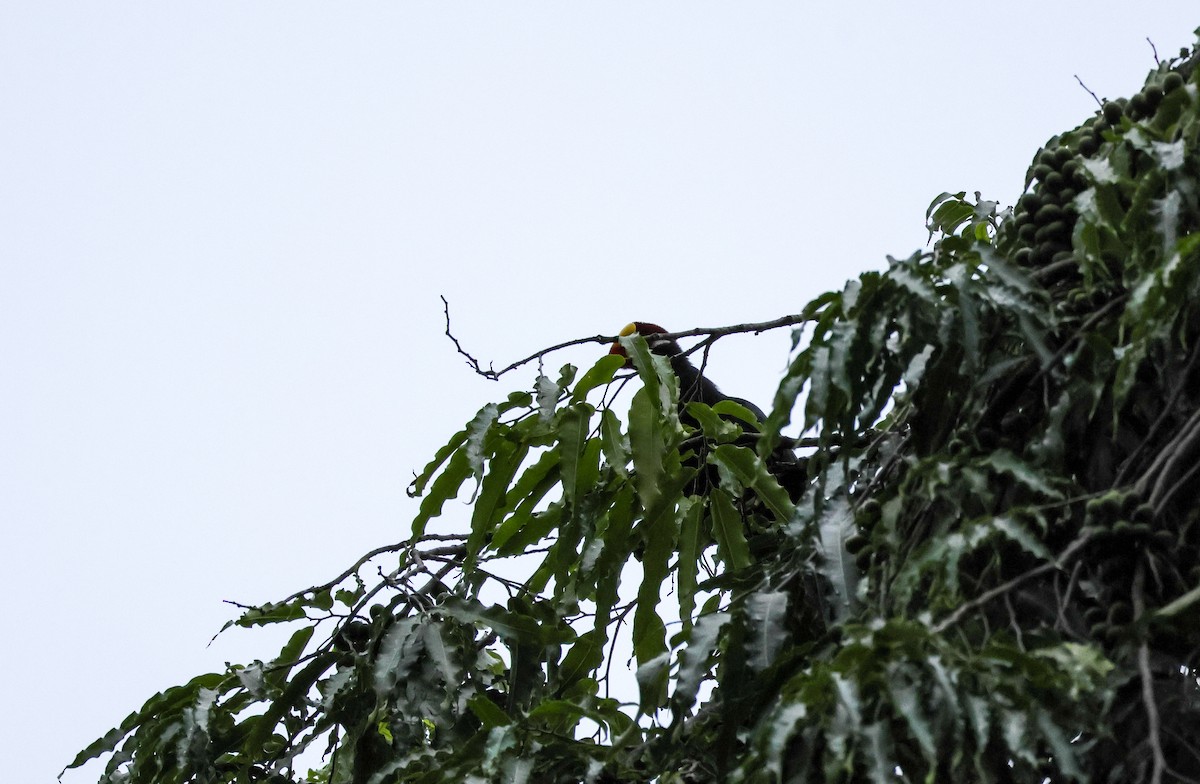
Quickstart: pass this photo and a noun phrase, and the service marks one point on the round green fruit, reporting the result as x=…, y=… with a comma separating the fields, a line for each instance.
x=1113, y=112
x=1050, y=213
x=1138, y=105
x=1120, y=613
x=1056, y=230
x=1172, y=81
x=856, y=544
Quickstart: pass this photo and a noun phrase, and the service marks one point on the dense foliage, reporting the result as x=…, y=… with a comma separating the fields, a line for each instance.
x=989, y=571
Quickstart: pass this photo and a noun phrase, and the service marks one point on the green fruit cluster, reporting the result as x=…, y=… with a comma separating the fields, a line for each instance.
x=1040, y=234
x=859, y=544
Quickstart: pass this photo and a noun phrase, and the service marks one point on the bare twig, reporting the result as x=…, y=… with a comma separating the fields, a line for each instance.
x=1161, y=419
x=1154, y=49
x=1147, y=678
x=407, y=544
x=1164, y=466
x=711, y=333
x=1008, y=393
x=1094, y=96
x=1184, y=481
x=1016, y=582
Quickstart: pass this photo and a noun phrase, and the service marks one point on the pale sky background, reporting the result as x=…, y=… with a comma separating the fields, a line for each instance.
x=224, y=227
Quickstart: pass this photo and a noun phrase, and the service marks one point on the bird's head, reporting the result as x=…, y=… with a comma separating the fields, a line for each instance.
x=652, y=333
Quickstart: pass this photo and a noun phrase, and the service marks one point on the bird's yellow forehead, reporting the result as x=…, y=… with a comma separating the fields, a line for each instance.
x=628, y=330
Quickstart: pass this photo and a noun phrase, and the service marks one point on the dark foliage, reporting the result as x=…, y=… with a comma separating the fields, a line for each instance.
x=988, y=569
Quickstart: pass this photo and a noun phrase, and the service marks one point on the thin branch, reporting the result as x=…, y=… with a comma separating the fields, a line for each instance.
x=1014, y=583
x=1154, y=49
x=1176, y=450
x=1161, y=419
x=1147, y=678
x=1094, y=96
x=1008, y=393
x=390, y=548
x=712, y=333
x=1184, y=481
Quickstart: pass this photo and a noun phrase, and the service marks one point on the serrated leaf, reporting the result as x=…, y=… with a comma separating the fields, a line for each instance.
x=418, y=485
x=616, y=450
x=399, y=650
x=1179, y=605
x=493, y=492
x=836, y=564
x=728, y=530
x=691, y=516
x=547, y=398
x=444, y=488
x=765, y=635
x=525, y=495
x=647, y=442
x=751, y=472
x=597, y=375
x=477, y=432
x=712, y=424
x=488, y=712
x=652, y=677
x=695, y=656
x=512, y=626
x=444, y=658
x=649, y=632
x=908, y=703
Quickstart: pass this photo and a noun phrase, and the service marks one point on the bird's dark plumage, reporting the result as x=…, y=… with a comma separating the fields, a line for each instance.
x=694, y=386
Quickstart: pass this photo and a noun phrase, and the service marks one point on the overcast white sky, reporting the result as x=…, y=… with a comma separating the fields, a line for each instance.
x=224, y=227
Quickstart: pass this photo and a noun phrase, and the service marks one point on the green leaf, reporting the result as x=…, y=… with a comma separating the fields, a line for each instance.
x=511, y=626
x=525, y=495
x=399, y=650
x=836, y=564
x=652, y=678
x=488, y=712
x=493, y=493
x=648, y=443
x=616, y=449
x=1179, y=605
x=765, y=634
x=597, y=375
x=728, y=530
x=649, y=632
x=732, y=408
x=444, y=488
x=574, y=424
x=751, y=472
x=477, y=432
x=271, y=613
x=293, y=697
x=547, y=398
x=695, y=657
x=586, y=654
x=443, y=656
x=418, y=485
x=712, y=424
x=691, y=516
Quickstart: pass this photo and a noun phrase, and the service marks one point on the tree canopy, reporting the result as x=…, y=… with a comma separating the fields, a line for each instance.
x=988, y=569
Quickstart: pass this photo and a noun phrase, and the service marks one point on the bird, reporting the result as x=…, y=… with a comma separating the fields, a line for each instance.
x=695, y=387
